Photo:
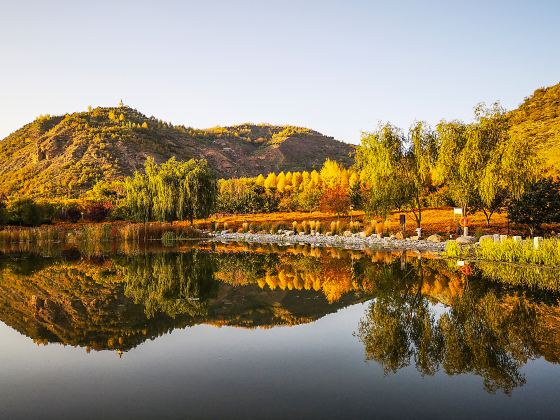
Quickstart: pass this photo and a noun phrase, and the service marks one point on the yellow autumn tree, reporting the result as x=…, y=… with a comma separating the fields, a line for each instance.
x=296, y=180
x=331, y=174
x=260, y=180
x=270, y=181
x=281, y=182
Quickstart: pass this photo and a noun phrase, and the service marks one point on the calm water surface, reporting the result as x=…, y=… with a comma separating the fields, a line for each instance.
x=238, y=331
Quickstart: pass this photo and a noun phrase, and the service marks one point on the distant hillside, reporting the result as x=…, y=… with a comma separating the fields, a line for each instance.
x=538, y=117
x=66, y=155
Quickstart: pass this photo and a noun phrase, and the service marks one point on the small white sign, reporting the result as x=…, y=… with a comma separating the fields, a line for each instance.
x=458, y=210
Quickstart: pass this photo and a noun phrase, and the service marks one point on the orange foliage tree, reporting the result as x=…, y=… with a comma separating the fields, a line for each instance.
x=335, y=200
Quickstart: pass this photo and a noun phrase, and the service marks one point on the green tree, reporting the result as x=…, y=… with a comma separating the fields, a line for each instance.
x=200, y=191
x=27, y=212
x=539, y=204
x=420, y=156
x=171, y=191
x=379, y=160
x=482, y=163
x=3, y=209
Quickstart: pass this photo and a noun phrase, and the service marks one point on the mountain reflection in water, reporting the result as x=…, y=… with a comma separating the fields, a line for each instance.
x=423, y=312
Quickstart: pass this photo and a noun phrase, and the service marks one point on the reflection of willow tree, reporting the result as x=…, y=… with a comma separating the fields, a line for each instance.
x=478, y=334
x=399, y=320
x=169, y=283
x=483, y=338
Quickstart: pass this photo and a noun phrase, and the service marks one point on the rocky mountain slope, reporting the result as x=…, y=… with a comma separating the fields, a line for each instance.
x=538, y=118
x=66, y=155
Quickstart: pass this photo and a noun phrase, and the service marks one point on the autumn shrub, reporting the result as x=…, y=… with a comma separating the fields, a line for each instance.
x=70, y=212
x=318, y=227
x=97, y=212
x=355, y=227
x=265, y=226
x=335, y=200
x=379, y=228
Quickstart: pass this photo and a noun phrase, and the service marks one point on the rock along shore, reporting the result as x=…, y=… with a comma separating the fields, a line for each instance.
x=348, y=242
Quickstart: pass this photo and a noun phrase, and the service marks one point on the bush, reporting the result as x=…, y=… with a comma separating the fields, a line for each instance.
x=72, y=214
x=27, y=212
x=98, y=212
x=540, y=204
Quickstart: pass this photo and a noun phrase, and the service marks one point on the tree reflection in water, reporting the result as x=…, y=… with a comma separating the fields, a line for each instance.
x=478, y=333
x=170, y=283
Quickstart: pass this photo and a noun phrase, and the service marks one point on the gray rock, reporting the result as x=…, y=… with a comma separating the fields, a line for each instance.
x=464, y=240
x=494, y=237
x=434, y=238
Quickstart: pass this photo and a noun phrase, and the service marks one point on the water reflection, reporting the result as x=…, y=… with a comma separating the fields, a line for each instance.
x=423, y=312
x=480, y=333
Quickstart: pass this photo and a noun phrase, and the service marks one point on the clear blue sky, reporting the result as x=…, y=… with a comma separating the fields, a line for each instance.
x=339, y=67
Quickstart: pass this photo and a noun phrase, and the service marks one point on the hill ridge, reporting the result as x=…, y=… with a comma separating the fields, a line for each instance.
x=66, y=155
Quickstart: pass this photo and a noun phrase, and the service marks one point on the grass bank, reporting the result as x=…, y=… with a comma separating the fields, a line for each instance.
x=99, y=233
x=509, y=250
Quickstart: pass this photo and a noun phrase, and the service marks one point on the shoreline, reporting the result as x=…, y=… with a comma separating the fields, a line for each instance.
x=347, y=242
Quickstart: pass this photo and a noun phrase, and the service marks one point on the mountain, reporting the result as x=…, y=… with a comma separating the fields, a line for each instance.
x=66, y=155
x=538, y=118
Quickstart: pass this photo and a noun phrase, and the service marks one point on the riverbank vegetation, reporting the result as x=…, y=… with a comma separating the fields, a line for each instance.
x=481, y=166
x=543, y=252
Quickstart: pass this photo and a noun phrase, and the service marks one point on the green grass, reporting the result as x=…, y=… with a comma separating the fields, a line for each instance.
x=508, y=250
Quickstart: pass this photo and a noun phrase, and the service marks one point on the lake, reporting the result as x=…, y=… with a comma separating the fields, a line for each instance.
x=212, y=330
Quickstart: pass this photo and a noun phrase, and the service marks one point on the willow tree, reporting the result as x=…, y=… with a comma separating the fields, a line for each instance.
x=172, y=191
x=420, y=158
x=379, y=160
x=396, y=170
x=198, y=191
x=138, y=197
x=481, y=162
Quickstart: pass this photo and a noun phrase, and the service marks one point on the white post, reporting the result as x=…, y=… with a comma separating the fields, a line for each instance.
x=503, y=238
x=537, y=242
x=516, y=238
